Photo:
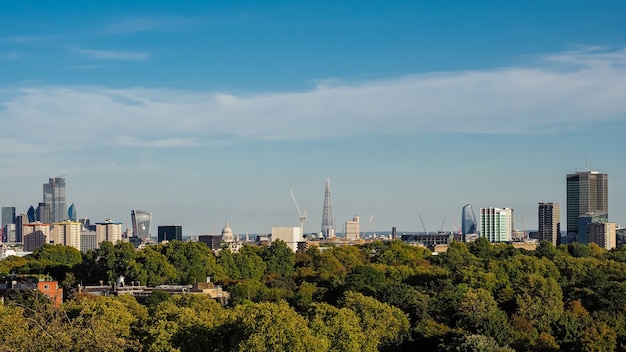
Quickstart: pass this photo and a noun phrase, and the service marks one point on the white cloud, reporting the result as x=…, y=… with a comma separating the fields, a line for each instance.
x=512, y=100
x=110, y=54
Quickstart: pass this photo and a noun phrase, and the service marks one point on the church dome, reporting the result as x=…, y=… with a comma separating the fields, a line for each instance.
x=227, y=233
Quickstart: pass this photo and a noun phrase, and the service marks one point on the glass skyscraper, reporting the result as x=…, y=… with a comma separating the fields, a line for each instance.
x=468, y=220
x=54, y=197
x=587, y=192
x=141, y=223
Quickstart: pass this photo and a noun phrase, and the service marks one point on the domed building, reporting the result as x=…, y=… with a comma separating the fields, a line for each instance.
x=227, y=234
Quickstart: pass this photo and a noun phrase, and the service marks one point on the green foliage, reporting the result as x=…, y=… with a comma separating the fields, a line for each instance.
x=279, y=258
x=58, y=254
x=341, y=326
x=384, y=326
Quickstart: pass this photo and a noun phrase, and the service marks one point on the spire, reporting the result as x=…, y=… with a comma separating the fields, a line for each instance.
x=328, y=223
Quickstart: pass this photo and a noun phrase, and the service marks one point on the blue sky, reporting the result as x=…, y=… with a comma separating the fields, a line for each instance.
x=204, y=111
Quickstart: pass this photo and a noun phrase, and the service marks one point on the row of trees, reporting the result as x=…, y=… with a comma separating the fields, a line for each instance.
x=379, y=296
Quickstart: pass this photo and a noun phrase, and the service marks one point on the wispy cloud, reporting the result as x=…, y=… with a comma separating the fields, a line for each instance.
x=29, y=39
x=12, y=55
x=151, y=24
x=515, y=100
x=110, y=54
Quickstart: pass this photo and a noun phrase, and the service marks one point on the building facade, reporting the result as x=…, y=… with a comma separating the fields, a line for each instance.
x=108, y=230
x=587, y=192
x=35, y=235
x=469, y=225
x=352, y=229
x=496, y=224
x=66, y=233
x=170, y=233
x=549, y=222
x=141, y=220
x=213, y=241
x=54, y=197
x=290, y=235
x=603, y=234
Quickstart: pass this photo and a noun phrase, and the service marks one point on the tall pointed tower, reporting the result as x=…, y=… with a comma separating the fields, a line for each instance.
x=328, y=223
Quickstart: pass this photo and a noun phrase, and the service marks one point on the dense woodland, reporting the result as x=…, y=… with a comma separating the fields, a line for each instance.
x=381, y=296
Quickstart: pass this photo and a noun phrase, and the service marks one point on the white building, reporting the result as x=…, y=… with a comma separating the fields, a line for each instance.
x=496, y=224
x=352, y=229
x=108, y=231
x=290, y=235
x=66, y=233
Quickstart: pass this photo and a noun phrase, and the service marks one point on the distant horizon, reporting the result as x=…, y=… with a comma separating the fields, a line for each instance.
x=202, y=112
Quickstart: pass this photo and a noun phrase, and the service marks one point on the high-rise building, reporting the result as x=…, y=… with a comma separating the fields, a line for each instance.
x=603, y=234
x=468, y=220
x=328, y=223
x=44, y=213
x=31, y=214
x=141, y=223
x=587, y=192
x=71, y=213
x=66, y=233
x=170, y=233
x=54, y=197
x=496, y=224
x=549, y=222
x=88, y=240
x=19, y=221
x=352, y=229
x=35, y=235
x=290, y=235
x=10, y=233
x=108, y=230
x=585, y=220
x=8, y=215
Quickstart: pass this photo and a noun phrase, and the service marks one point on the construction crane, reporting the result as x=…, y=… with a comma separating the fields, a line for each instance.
x=442, y=223
x=424, y=227
x=302, y=215
x=368, y=226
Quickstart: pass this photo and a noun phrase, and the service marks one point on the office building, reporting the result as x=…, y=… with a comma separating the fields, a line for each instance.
x=469, y=224
x=352, y=229
x=19, y=221
x=54, y=197
x=71, y=213
x=108, y=230
x=213, y=241
x=8, y=215
x=290, y=235
x=549, y=222
x=31, y=214
x=43, y=213
x=141, y=223
x=603, y=234
x=587, y=219
x=9, y=231
x=35, y=235
x=169, y=233
x=587, y=192
x=496, y=224
x=66, y=233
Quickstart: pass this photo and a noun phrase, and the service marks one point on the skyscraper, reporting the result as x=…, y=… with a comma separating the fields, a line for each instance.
x=71, y=213
x=549, y=221
x=496, y=224
x=328, y=223
x=54, y=197
x=468, y=220
x=8, y=215
x=587, y=192
x=109, y=230
x=141, y=223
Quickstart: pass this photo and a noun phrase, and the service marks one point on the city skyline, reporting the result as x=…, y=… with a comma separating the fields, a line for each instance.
x=207, y=112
